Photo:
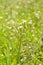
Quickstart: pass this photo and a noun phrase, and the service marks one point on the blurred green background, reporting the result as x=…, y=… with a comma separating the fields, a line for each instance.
x=21, y=32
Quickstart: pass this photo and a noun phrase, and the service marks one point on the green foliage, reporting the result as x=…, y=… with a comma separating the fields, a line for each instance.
x=21, y=32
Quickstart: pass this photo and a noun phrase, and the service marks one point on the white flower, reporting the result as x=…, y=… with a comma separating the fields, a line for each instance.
x=25, y=58
x=32, y=30
x=20, y=27
x=2, y=55
x=33, y=35
x=29, y=47
x=16, y=13
x=1, y=17
x=6, y=13
x=30, y=22
x=9, y=27
x=23, y=50
x=23, y=21
x=33, y=27
x=8, y=22
x=8, y=17
x=17, y=7
x=23, y=13
x=10, y=54
x=19, y=3
x=22, y=59
x=12, y=22
x=37, y=14
x=28, y=1
x=18, y=64
x=11, y=38
x=41, y=24
x=36, y=38
x=40, y=64
x=10, y=48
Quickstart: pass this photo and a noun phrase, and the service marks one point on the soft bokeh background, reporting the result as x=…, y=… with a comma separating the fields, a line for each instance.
x=21, y=32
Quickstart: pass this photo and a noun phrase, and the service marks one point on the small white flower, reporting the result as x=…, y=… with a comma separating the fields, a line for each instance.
x=6, y=13
x=9, y=27
x=10, y=48
x=20, y=27
x=25, y=58
x=41, y=24
x=17, y=7
x=25, y=46
x=12, y=22
x=9, y=17
x=30, y=22
x=33, y=35
x=22, y=59
x=36, y=38
x=10, y=54
x=23, y=13
x=23, y=50
x=2, y=55
x=12, y=34
x=32, y=30
x=8, y=22
x=35, y=31
x=15, y=31
x=33, y=27
x=16, y=13
x=28, y=1
x=19, y=3
x=29, y=47
x=11, y=38
x=18, y=64
x=23, y=21
x=37, y=14
x=40, y=64
x=1, y=17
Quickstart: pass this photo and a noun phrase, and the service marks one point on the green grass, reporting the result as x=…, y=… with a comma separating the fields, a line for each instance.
x=21, y=32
